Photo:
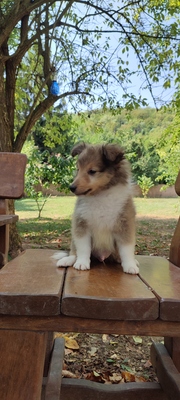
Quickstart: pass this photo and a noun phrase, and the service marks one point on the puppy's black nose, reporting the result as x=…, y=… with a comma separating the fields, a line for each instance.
x=72, y=188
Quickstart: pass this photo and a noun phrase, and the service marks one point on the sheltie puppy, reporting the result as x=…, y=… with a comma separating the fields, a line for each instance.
x=103, y=222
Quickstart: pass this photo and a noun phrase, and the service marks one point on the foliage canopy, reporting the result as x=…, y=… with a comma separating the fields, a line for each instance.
x=86, y=45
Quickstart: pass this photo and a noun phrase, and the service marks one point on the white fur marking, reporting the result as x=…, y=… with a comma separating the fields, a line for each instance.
x=83, y=251
x=59, y=254
x=128, y=262
x=66, y=261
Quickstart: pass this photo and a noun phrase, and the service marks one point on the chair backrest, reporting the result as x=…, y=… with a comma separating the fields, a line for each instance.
x=174, y=254
x=177, y=184
x=12, y=169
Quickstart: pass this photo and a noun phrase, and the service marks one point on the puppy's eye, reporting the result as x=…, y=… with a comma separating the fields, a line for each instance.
x=92, y=172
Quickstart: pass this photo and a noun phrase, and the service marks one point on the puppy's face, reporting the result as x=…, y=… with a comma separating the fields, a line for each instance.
x=97, y=168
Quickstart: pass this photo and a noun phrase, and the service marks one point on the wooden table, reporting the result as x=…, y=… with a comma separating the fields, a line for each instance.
x=37, y=299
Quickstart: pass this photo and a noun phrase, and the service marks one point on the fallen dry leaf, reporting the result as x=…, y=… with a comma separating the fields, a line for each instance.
x=105, y=338
x=140, y=379
x=93, y=351
x=137, y=339
x=68, y=374
x=115, y=378
x=148, y=364
x=68, y=351
x=95, y=377
x=71, y=343
x=128, y=377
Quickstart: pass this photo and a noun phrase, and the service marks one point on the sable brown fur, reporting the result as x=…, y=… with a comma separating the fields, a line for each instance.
x=103, y=222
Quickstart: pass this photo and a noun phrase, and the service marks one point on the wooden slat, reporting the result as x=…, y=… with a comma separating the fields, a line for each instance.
x=53, y=386
x=172, y=345
x=73, y=389
x=167, y=373
x=105, y=292
x=21, y=367
x=177, y=184
x=8, y=219
x=62, y=323
x=174, y=253
x=12, y=168
x=31, y=284
x=164, y=279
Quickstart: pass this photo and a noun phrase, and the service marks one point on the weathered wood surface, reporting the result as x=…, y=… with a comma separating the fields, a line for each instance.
x=82, y=390
x=12, y=168
x=174, y=253
x=8, y=219
x=164, y=280
x=172, y=345
x=106, y=292
x=62, y=323
x=53, y=386
x=166, y=371
x=31, y=284
x=21, y=367
x=177, y=184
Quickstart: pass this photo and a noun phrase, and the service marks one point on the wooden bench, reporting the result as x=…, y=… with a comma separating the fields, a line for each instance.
x=37, y=299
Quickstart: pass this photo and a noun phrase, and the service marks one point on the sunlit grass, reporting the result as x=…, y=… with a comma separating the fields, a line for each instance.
x=62, y=207
x=156, y=221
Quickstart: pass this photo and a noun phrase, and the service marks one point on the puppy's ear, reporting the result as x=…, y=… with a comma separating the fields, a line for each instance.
x=78, y=148
x=112, y=153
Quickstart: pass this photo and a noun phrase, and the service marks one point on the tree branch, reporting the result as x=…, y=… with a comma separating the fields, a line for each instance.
x=36, y=114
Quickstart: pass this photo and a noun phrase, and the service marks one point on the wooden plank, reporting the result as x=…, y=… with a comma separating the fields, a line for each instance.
x=106, y=292
x=8, y=219
x=21, y=366
x=177, y=184
x=62, y=323
x=166, y=371
x=172, y=345
x=53, y=386
x=12, y=168
x=73, y=389
x=164, y=280
x=31, y=284
x=174, y=253
x=4, y=233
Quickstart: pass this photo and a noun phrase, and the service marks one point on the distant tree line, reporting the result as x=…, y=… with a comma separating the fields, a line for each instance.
x=150, y=140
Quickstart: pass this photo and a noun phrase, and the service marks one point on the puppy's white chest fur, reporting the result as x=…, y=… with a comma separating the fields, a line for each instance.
x=101, y=210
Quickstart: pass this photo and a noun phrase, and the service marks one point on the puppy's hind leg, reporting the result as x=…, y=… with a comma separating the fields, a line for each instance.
x=64, y=259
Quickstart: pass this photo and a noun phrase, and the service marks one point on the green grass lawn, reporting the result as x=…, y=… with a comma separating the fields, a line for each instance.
x=62, y=207
x=156, y=221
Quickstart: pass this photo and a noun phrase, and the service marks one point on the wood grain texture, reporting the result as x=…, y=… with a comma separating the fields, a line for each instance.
x=53, y=386
x=31, y=284
x=177, y=184
x=106, y=292
x=174, y=253
x=164, y=280
x=8, y=219
x=21, y=366
x=12, y=169
x=172, y=345
x=166, y=371
x=80, y=389
x=62, y=323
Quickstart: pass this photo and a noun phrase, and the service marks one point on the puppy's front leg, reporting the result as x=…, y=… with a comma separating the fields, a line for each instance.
x=83, y=252
x=128, y=261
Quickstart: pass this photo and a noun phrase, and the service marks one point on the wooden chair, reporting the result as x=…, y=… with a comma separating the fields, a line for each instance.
x=37, y=299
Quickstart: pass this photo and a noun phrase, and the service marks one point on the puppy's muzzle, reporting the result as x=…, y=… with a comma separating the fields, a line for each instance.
x=73, y=188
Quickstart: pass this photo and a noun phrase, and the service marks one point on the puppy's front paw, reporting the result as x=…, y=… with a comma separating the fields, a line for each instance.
x=66, y=261
x=82, y=265
x=131, y=267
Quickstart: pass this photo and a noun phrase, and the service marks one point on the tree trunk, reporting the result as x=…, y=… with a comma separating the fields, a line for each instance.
x=15, y=242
